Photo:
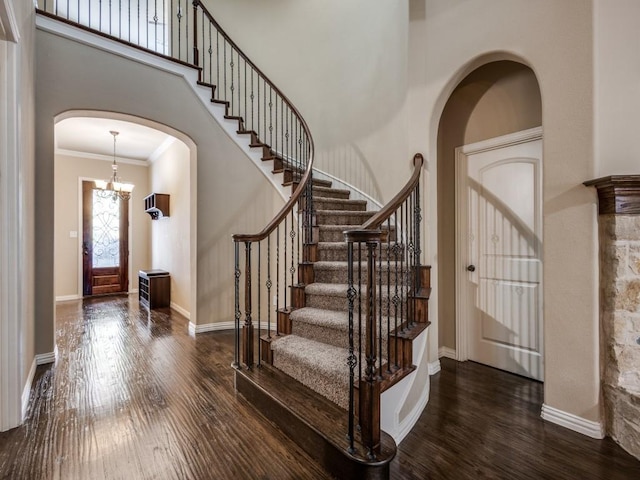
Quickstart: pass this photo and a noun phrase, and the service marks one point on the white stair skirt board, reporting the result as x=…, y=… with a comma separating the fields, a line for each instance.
x=393, y=401
x=40, y=359
x=447, y=352
x=434, y=367
x=572, y=422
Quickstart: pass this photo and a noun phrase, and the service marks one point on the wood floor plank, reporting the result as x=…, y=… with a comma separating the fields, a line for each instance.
x=133, y=396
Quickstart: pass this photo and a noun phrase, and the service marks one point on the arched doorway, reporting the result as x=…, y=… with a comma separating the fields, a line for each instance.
x=496, y=99
x=156, y=159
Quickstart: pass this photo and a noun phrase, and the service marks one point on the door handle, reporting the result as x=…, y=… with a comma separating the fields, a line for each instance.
x=471, y=268
x=85, y=248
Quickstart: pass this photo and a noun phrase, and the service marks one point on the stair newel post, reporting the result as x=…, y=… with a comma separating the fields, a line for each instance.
x=370, y=385
x=196, y=53
x=236, y=339
x=247, y=329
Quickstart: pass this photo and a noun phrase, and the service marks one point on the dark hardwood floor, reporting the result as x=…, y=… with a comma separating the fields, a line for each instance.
x=133, y=396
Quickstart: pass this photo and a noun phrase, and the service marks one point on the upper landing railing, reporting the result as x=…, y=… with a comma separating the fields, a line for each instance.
x=186, y=31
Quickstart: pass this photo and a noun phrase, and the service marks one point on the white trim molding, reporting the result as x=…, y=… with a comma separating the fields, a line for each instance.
x=572, y=422
x=8, y=25
x=210, y=327
x=67, y=298
x=434, y=367
x=39, y=359
x=46, y=358
x=26, y=390
x=447, y=352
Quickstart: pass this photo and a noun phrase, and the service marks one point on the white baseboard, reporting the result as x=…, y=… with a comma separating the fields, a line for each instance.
x=181, y=311
x=572, y=422
x=39, y=359
x=44, y=358
x=210, y=327
x=447, y=352
x=26, y=391
x=434, y=367
x=66, y=298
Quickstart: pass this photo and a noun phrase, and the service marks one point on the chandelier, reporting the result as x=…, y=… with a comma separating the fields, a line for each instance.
x=120, y=189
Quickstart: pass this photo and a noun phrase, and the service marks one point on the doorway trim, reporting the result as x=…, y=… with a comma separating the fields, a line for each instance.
x=461, y=154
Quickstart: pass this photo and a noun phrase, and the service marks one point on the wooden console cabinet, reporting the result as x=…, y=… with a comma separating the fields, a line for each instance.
x=154, y=288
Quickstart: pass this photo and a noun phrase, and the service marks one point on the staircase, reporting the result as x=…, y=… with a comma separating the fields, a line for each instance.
x=333, y=317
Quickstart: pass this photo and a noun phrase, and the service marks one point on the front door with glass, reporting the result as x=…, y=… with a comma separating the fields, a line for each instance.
x=105, y=241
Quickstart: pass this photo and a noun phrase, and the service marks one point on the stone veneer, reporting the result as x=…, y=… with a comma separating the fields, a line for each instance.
x=619, y=231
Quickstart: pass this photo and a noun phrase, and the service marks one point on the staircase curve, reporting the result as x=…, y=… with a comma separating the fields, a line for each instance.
x=303, y=329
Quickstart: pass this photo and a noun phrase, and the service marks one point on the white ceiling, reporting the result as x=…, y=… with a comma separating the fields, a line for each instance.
x=87, y=135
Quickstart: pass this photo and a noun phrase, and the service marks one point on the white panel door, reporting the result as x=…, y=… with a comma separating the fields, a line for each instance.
x=501, y=257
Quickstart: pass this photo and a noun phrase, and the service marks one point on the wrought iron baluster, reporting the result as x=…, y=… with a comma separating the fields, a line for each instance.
x=270, y=117
x=379, y=312
x=396, y=298
x=292, y=234
x=277, y=281
x=388, y=309
x=269, y=284
x=210, y=55
x=224, y=52
x=232, y=87
x=247, y=331
x=403, y=234
x=259, y=302
x=351, y=358
x=284, y=276
x=252, y=99
x=217, y=91
x=179, y=15
x=236, y=342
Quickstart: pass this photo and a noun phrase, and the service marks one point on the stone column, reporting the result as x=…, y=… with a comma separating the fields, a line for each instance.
x=619, y=232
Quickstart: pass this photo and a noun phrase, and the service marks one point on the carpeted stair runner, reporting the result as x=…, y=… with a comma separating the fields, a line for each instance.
x=315, y=353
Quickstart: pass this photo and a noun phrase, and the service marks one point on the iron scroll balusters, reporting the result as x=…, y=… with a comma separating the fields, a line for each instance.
x=383, y=319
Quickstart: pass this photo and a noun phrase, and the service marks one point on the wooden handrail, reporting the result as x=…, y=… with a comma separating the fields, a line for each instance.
x=379, y=218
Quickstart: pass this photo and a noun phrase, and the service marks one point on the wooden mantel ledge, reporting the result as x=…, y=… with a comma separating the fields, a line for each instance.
x=617, y=194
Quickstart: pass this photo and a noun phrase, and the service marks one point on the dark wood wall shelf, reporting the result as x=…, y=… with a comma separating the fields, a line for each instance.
x=157, y=205
x=154, y=288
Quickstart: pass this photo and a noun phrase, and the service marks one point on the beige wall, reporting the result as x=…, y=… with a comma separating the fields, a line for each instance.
x=170, y=242
x=617, y=70
x=496, y=99
x=68, y=174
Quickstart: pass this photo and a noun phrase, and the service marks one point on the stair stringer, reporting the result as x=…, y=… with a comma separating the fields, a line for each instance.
x=188, y=74
x=411, y=393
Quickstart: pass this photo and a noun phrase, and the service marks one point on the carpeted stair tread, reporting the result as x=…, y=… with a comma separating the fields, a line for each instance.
x=317, y=365
x=343, y=217
x=339, y=204
x=337, y=252
x=338, y=272
x=327, y=192
x=328, y=326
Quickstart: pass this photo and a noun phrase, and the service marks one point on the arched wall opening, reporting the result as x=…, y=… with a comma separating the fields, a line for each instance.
x=161, y=160
x=495, y=99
